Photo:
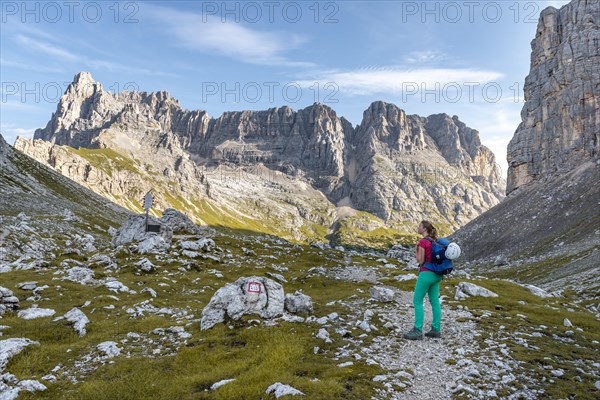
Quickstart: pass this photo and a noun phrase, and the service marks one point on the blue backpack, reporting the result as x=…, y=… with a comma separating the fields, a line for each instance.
x=439, y=263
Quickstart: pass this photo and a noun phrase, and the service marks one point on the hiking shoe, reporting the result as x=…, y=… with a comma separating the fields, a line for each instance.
x=414, y=334
x=433, y=334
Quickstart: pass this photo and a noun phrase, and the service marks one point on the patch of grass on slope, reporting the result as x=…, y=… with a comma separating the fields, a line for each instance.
x=517, y=314
x=106, y=159
x=256, y=356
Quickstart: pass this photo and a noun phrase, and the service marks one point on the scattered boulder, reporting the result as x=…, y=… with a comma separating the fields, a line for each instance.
x=179, y=223
x=27, y=285
x=7, y=300
x=500, y=261
x=298, y=303
x=153, y=244
x=466, y=289
x=401, y=253
x=100, y=260
x=149, y=290
x=324, y=335
x=109, y=348
x=134, y=229
x=78, y=319
x=279, y=390
x=253, y=295
x=82, y=275
x=217, y=385
x=405, y=277
x=321, y=245
x=116, y=286
x=279, y=277
x=567, y=323
x=30, y=385
x=35, y=312
x=381, y=294
x=10, y=394
x=145, y=265
x=538, y=291
x=200, y=244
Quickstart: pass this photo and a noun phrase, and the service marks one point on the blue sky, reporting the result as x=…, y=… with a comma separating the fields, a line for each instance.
x=465, y=58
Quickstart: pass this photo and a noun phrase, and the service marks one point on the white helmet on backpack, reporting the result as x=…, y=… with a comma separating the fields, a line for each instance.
x=452, y=251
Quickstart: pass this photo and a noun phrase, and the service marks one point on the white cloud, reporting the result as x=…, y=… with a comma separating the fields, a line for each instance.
x=396, y=80
x=45, y=47
x=423, y=57
x=116, y=67
x=210, y=35
x=28, y=67
x=64, y=55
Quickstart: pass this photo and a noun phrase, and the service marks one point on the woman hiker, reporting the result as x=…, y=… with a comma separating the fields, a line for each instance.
x=428, y=283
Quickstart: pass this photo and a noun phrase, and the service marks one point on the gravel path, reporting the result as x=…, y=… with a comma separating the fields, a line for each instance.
x=418, y=369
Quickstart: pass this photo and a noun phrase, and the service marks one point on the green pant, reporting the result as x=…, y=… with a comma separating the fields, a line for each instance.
x=428, y=283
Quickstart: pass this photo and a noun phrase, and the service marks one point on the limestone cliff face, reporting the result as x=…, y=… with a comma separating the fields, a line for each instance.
x=410, y=166
x=398, y=167
x=560, y=126
x=547, y=232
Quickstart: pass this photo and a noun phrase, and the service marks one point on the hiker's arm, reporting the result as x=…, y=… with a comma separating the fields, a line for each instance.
x=420, y=255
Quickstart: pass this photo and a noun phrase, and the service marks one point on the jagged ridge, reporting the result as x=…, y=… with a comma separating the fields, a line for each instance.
x=398, y=167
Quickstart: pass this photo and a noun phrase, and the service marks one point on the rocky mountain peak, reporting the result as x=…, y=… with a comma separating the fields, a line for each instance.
x=391, y=165
x=560, y=126
x=83, y=82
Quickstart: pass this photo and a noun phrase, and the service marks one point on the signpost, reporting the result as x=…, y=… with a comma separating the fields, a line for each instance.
x=148, y=198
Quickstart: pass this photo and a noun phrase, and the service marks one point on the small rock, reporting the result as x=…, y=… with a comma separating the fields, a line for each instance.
x=78, y=319
x=10, y=394
x=567, y=323
x=405, y=277
x=145, y=265
x=381, y=294
x=279, y=277
x=27, y=285
x=34, y=312
x=109, y=348
x=466, y=289
x=217, y=385
x=149, y=290
x=50, y=378
x=279, y=389
x=201, y=244
x=557, y=372
x=30, y=385
x=152, y=244
x=116, y=286
x=324, y=335
x=298, y=303
x=345, y=364
x=538, y=291
x=81, y=275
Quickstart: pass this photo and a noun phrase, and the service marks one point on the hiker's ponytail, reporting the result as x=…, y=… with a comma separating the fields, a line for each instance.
x=431, y=231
